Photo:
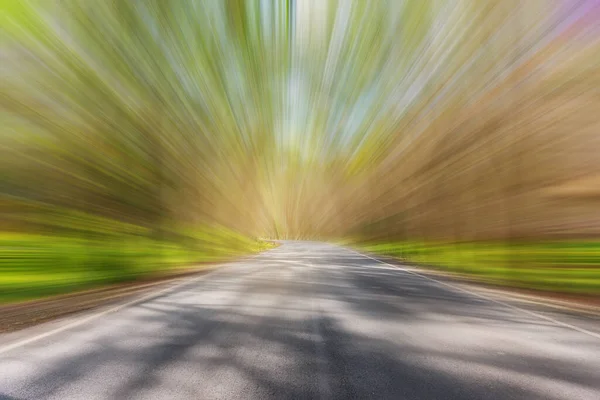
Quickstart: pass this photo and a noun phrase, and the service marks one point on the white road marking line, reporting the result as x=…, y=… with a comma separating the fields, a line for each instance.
x=534, y=314
x=88, y=318
x=83, y=320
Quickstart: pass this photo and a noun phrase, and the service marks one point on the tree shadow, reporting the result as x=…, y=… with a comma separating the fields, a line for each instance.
x=357, y=366
x=282, y=346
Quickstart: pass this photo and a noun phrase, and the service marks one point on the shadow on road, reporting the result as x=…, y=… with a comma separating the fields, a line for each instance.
x=271, y=350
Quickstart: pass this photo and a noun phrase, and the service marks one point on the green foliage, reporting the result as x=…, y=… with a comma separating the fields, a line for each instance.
x=33, y=266
x=560, y=266
x=123, y=152
x=133, y=132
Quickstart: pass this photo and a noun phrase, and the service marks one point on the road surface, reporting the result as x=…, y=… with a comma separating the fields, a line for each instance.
x=307, y=321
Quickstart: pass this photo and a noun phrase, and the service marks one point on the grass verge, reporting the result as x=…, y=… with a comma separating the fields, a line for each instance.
x=37, y=266
x=561, y=267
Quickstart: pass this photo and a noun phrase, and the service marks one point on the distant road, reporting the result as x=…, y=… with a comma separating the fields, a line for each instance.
x=307, y=321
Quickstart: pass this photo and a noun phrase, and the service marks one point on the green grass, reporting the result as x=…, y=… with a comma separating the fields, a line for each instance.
x=34, y=266
x=565, y=267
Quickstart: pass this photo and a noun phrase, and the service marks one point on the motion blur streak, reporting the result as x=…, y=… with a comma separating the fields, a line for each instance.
x=137, y=131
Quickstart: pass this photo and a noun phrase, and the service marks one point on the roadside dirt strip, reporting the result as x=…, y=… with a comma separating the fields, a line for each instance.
x=21, y=315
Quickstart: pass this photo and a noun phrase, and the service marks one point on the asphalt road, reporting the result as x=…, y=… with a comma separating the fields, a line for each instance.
x=307, y=321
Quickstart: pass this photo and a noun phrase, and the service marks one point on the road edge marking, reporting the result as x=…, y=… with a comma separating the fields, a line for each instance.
x=83, y=320
x=531, y=313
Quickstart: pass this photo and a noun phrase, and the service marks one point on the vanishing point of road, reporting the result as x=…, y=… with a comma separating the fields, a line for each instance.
x=308, y=320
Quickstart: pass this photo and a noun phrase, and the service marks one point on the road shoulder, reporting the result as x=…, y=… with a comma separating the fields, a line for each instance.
x=581, y=313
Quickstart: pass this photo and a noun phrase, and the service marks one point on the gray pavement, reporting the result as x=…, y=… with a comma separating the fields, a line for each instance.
x=307, y=321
